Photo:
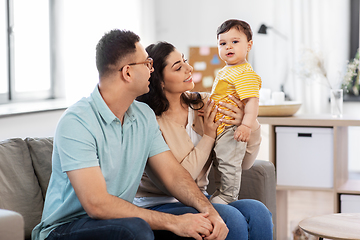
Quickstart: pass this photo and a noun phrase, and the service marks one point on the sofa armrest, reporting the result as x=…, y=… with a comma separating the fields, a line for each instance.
x=259, y=183
x=11, y=225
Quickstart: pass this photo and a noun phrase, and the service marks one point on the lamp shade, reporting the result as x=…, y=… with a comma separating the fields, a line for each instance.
x=263, y=29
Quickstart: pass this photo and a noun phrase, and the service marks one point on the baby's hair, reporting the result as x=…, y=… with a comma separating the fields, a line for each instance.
x=235, y=23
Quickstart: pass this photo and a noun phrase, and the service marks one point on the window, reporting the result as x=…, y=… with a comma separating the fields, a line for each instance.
x=3, y=54
x=354, y=26
x=81, y=34
x=49, y=50
x=25, y=72
x=31, y=46
x=354, y=86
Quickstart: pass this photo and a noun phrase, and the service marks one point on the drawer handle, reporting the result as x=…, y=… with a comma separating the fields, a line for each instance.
x=304, y=134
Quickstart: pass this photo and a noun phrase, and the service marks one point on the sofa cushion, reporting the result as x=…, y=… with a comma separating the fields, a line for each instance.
x=259, y=183
x=19, y=187
x=41, y=154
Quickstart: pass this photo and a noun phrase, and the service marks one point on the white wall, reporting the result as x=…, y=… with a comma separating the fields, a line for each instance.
x=41, y=124
x=306, y=23
x=194, y=23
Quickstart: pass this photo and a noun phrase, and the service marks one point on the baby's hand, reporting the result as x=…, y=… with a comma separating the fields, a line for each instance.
x=242, y=133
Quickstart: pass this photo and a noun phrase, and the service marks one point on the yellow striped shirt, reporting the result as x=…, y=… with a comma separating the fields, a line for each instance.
x=240, y=81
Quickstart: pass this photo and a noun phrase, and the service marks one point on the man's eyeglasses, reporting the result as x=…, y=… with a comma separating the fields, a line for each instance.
x=148, y=62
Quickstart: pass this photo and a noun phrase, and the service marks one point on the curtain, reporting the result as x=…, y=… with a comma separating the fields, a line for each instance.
x=318, y=51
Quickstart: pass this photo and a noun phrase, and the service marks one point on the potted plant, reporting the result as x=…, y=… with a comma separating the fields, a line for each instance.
x=351, y=84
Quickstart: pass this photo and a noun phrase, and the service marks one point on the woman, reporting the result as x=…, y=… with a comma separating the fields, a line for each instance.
x=191, y=138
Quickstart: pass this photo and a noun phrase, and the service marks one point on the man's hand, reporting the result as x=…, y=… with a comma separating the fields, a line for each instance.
x=242, y=133
x=179, y=183
x=192, y=225
x=220, y=229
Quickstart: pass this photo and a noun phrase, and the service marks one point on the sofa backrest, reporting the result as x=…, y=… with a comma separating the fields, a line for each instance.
x=41, y=154
x=25, y=168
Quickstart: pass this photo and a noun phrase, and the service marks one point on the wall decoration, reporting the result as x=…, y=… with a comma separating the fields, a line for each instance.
x=206, y=62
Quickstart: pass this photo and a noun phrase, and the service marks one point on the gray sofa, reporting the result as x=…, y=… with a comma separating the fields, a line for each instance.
x=25, y=168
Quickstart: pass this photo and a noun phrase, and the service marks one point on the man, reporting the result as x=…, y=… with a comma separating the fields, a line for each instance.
x=101, y=147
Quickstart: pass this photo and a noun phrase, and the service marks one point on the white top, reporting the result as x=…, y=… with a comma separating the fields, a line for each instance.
x=146, y=202
x=194, y=136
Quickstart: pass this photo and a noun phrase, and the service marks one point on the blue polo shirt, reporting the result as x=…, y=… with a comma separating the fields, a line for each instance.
x=87, y=135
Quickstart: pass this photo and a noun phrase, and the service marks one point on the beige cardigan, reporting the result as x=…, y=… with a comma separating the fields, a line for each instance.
x=196, y=160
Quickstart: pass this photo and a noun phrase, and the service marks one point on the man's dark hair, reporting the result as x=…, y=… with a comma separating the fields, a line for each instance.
x=113, y=47
x=235, y=23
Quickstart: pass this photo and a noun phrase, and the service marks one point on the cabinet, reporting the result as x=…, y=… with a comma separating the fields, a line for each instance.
x=300, y=153
x=341, y=182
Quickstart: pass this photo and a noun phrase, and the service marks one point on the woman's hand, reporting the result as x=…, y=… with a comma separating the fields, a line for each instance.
x=209, y=116
x=237, y=113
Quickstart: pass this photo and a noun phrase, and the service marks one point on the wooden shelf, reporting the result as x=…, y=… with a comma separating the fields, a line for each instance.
x=285, y=188
x=350, y=187
x=341, y=182
x=320, y=120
